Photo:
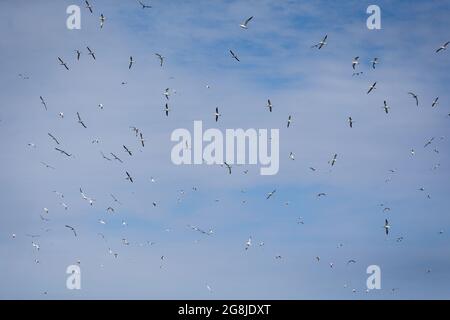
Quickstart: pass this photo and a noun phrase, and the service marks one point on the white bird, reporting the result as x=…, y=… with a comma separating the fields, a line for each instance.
x=386, y=107
x=167, y=93
x=61, y=115
x=374, y=62
x=386, y=226
x=443, y=47
x=269, y=105
x=435, y=102
x=248, y=243
x=245, y=23
x=270, y=194
x=217, y=114
x=321, y=44
x=333, y=161
x=372, y=87
x=355, y=62
x=35, y=245
x=292, y=156
x=102, y=20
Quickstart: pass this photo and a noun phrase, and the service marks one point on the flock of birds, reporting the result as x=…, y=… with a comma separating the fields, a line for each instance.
x=247, y=245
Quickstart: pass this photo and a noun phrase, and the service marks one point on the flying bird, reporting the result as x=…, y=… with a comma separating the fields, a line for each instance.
x=350, y=122
x=415, y=97
x=51, y=136
x=234, y=56
x=372, y=87
x=131, y=62
x=386, y=107
x=428, y=142
x=142, y=139
x=116, y=157
x=144, y=6
x=161, y=59
x=78, y=52
x=105, y=157
x=248, y=244
x=333, y=161
x=63, y=152
x=374, y=62
x=80, y=121
x=355, y=62
x=73, y=229
x=47, y=165
x=127, y=150
x=102, y=21
x=321, y=44
x=435, y=102
x=443, y=47
x=88, y=6
x=91, y=53
x=62, y=63
x=167, y=93
x=228, y=167
x=386, y=226
x=115, y=199
x=289, y=121
x=129, y=177
x=217, y=114
x=270, y=194
x=269, y=105
x=43, y=102
x=166, y=109
x=245, y=23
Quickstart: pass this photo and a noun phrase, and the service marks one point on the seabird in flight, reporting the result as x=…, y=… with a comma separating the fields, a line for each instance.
x=372, y=87
x=73, y=229
x=245, y=23
x=217, y=114
x=80, y=121
x=234, y=56
x=43, y=102
x=61, y=62
x=355, y=62
x=321, y=44
x=91, y=53
x=127, y=150
x=161, y=59
x=415, y=97
x=443, y=47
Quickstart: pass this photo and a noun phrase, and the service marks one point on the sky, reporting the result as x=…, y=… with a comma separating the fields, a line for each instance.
x=316, y=87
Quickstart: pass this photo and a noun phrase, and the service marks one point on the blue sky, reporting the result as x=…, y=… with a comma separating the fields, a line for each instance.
x=315, y=87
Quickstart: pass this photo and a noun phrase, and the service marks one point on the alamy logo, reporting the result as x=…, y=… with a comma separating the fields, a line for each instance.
x=236, y=149
x=374, y=280
x=374, y=20
x=74, y=279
